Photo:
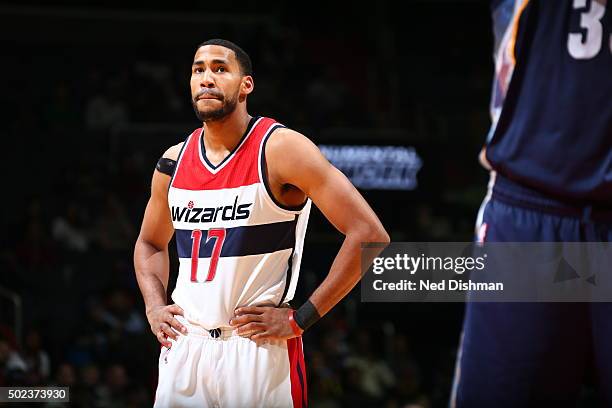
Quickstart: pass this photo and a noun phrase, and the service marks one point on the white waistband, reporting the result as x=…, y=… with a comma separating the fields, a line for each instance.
x=220, y=333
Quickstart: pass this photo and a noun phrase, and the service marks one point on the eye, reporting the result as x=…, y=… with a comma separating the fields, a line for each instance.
x=198, y=70
x=220, y=69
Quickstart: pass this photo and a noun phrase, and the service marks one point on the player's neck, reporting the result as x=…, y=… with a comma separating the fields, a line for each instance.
x=225, y=134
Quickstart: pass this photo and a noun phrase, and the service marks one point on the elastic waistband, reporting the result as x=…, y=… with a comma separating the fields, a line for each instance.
x=512, y=193
x=219, y=333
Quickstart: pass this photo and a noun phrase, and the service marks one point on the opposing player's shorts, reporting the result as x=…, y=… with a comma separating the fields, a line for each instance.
x=534, y=354
x=218, y=368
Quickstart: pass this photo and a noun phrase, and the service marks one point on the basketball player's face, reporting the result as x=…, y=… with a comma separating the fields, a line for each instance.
x=216, y=82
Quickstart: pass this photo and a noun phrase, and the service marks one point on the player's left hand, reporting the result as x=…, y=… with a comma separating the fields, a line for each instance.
x=263, y=323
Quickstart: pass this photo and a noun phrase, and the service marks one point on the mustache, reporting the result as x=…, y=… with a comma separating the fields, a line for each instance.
x=208, y=92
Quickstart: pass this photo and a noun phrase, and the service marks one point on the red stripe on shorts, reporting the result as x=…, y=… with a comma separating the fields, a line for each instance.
x=297, y=372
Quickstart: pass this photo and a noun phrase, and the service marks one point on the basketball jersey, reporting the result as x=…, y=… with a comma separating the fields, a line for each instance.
x=237, y=246
x=551, y=104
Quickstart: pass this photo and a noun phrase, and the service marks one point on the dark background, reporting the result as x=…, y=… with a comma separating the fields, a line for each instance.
x=92, y=96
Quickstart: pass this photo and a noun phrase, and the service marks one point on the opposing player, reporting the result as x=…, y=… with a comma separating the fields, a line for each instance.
x=237, y=194
x=550, y=152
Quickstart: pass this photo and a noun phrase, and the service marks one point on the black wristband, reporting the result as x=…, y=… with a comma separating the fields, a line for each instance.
x=306, y=315
x=166, y=166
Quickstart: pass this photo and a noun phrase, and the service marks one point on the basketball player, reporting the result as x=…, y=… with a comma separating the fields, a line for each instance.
x=550, y=152
x=237, y=194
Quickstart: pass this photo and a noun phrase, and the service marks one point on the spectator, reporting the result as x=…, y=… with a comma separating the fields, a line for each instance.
x=12, y=366
x=114, y=229
x=90, y=393
x=116, y=385
x=325, y=385
x=376, y=378
x=120, y=314
x=65, y=375
x=36, y=358
x=107, y=109
x=67, y=230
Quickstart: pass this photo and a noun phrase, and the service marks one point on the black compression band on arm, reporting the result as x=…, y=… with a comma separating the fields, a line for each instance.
x=306, y=315
x=166, y=166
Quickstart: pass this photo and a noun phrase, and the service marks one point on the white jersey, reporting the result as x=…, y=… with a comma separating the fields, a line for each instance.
x=237, y=246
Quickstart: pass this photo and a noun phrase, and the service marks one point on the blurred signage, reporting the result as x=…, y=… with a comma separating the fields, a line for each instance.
x=376, y=167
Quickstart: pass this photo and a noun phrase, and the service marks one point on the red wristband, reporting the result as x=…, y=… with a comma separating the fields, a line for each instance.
x=297, y=330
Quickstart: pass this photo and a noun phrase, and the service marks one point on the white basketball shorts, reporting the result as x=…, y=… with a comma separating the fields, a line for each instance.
x=230, y=371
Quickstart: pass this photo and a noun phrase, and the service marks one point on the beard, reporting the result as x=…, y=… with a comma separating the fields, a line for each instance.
x=228, y=105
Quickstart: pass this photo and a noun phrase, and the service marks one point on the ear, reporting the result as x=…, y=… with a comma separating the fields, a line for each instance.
x=248, y=85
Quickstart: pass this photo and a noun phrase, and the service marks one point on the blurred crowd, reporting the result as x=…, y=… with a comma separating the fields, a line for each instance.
x=86, y=327
x=84, y=132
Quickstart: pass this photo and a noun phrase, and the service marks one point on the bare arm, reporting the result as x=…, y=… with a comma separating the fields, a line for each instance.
x=295, y=160
x=151, y=261
x=306, y=168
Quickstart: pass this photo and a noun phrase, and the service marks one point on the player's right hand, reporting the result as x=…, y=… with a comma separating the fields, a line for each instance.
x=164, y=325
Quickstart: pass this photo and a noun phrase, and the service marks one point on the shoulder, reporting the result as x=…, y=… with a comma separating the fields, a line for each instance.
x=291, y=156
x=287, y=141
x=173, y=152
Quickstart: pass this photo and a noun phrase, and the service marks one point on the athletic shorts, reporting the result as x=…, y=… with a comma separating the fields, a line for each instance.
x=218, y=368
x=534, y=354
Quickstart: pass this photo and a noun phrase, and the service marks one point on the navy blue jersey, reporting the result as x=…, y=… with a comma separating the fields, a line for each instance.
x=551, y=103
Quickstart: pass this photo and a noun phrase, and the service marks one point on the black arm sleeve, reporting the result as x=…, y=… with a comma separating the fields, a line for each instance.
x=166, y=166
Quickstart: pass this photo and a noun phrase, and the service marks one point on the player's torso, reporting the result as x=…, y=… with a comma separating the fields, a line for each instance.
x=552, y=97
x=235, y=245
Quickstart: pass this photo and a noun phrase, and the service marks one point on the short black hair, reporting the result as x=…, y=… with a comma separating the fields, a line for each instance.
x=244, y=61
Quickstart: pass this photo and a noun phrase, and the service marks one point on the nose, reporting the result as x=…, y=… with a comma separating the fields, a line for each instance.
x=207, y=79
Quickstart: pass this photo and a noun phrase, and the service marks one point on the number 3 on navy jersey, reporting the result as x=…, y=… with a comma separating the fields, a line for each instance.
x=196, y=235
x=590, y=20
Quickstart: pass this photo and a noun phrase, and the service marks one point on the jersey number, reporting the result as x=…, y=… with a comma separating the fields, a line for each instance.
x=590, y=20
x=196, y=235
